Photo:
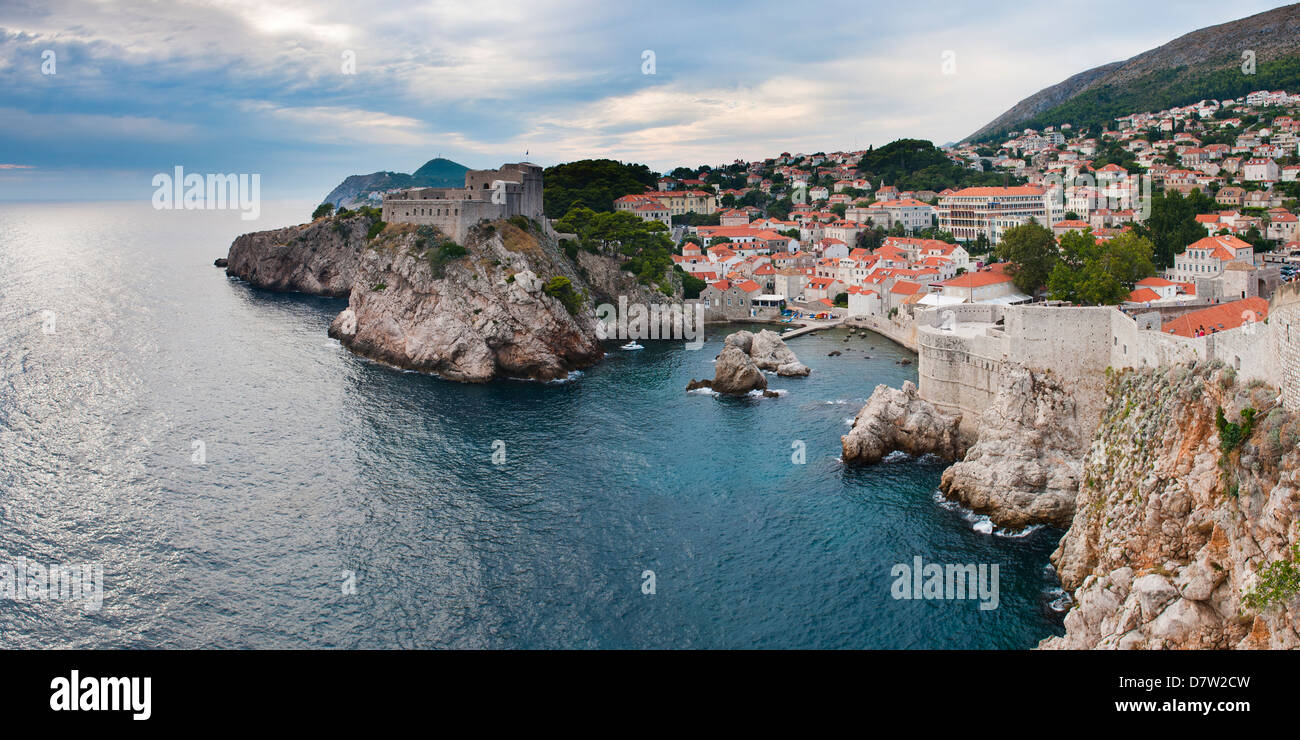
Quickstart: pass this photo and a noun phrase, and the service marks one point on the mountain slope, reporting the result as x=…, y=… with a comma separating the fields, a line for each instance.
x=436, y=173
x=1202, y=64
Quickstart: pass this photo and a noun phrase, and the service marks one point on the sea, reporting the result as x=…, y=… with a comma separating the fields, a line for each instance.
x=243, y=481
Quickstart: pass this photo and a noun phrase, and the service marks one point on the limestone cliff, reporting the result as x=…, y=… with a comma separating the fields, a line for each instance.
x=471, y=312
x=468, y=317
x=320, y=258
x=1024, y=467
x=1185, y=532
x=609, y=281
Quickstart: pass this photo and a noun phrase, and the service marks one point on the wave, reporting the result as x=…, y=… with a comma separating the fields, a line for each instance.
x=981, y=522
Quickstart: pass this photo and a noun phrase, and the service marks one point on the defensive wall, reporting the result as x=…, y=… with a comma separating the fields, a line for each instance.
x=965, y=352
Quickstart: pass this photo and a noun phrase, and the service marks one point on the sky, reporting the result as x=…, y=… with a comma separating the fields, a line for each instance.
x=265, y=87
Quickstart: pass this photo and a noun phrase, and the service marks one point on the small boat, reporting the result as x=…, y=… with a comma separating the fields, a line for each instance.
x=632, y=345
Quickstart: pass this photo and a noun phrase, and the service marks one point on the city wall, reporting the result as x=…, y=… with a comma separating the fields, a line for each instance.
x=1284, y=325
x=900, y=332
x=966, y=352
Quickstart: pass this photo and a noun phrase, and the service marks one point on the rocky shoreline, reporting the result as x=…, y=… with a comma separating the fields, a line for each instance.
x=1180, y=510
x=507, y=304
x=1186, y=518
x=468, y=317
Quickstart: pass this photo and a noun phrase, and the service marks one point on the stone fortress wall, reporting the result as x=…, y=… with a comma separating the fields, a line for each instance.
x=965, y=352
x=455, y=210
x=1284, y=324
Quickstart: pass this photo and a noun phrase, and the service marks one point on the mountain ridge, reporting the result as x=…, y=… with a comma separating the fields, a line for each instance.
x=1201, y=64
x=355, y=190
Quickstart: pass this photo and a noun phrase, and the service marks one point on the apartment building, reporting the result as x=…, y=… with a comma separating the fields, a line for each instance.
x=970, y=212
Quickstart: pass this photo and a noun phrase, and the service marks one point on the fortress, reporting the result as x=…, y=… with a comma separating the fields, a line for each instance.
x=965, y=352
x=512, y=190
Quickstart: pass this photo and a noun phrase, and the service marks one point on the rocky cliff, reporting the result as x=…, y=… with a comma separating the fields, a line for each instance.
x=608, y=281
x=467, y=312
x=506, y=304
x=320, y=258
x=1024, y=466
x=1185, y=534
x=769, y=352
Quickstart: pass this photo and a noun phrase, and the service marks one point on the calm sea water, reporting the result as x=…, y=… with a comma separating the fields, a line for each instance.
x=122, y=348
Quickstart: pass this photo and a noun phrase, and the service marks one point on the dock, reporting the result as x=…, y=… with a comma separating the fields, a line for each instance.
x=810, y=327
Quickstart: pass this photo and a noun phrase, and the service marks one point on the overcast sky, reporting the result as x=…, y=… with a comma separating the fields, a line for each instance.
x=257, y=86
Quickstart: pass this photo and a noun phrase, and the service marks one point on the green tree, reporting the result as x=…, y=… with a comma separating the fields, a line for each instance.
x=595, y=183
x=916, y=164
x=645, y=244
x=1172, y=224
x=1032, y=252
x=322, y=210
x=1099, y=274
x=691, y=285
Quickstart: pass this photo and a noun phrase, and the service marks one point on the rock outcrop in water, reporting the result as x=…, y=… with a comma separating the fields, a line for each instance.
x=1182, y=515
x=1024, y=467
x=734, y=371
x=470, y=314
x=900, y=420
x=769, y=352
x=738, y=369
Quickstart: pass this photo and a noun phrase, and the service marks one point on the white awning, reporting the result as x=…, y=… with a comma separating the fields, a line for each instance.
x=1007, y=300
x=936, y=299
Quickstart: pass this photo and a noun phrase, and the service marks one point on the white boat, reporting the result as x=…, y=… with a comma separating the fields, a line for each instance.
x=632, y=345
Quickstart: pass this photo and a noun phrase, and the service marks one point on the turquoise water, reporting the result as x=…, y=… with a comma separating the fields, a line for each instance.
x=322, y=470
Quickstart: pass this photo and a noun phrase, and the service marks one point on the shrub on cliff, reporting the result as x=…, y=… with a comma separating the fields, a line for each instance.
x=438, y=250
x=691, y=285
x=322, y=210
x=645, y=243
x=561, y=288
x=1277, y=583
x=1232, y=435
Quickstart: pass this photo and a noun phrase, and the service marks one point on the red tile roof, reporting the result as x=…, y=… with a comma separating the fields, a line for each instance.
x=1222, y=317
x=978, y=279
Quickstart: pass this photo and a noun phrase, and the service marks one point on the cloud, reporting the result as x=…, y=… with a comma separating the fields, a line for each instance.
x=237, y=84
